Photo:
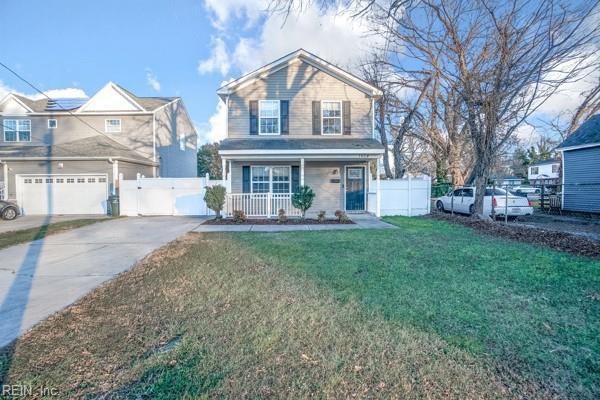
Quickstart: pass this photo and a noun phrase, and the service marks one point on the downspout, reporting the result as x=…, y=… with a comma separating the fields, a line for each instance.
x=115, y=174
x=154, y=143
x=5, y=168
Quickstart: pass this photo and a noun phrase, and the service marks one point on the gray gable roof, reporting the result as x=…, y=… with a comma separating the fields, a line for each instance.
x=588, y=133
x=299, y=144
x=93, y=147
x=149, y=103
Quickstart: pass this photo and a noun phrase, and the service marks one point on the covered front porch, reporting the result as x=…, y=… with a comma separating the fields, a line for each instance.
x=262, y=184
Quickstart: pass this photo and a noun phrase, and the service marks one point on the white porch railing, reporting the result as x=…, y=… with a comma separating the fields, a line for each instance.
x=260, y=204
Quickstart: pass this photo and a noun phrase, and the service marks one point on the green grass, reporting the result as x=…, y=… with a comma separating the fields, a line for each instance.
x=12, y=238
x=429, y=310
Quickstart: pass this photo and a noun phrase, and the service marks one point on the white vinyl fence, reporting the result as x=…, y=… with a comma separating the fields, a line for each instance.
x=409, y=196
x=164, y=196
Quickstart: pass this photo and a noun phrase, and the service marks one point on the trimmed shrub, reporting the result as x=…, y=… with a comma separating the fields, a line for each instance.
x=321, y=216
x=215, y=199
x=341, y=216
x=239, y=216
x=281, y=217
x=303, y=199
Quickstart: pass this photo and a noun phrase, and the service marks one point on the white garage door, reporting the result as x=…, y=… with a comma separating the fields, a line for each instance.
x=62, y=194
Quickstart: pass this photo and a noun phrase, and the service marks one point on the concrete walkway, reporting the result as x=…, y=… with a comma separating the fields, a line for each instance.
x=361, y=221
x=42, y=277
x=35, y=221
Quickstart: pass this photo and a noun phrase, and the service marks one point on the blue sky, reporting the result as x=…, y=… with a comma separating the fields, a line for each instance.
x=181, y=48
x=84, y=44
x=184, y=48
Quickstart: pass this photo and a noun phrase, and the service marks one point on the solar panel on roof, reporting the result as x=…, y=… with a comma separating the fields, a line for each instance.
x=65, y=104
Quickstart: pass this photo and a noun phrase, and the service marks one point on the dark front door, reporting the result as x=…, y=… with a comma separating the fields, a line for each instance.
x=355, y=189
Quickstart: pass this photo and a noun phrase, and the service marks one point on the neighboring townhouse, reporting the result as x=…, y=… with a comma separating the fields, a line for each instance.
x=545, y=172
x=581, y=168
x=300, y=121
x=64, y=156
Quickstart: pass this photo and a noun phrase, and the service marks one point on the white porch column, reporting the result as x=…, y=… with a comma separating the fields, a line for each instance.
x=302, y=172
x=229, y=173
x=224, y=169
x=378, y=208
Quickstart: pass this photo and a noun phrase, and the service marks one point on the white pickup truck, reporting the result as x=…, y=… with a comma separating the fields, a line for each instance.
x=461, y=201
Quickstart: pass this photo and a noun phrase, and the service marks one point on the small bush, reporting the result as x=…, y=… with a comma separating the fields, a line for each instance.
x=341, y=216
x=215, y=199
x=239, y=216
x=281, y=217
x=321, y=216
x=303, y=199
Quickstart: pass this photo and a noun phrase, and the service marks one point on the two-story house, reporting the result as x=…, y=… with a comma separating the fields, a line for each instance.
x=299, y=121
x=64, y=156
x=545, y=172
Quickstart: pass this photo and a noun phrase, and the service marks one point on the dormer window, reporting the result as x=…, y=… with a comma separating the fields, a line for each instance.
x=112, y=126
x=268, y=123
x=52, y=123
x=17, y=130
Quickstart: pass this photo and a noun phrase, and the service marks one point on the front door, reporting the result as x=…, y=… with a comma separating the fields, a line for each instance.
x=355, y=189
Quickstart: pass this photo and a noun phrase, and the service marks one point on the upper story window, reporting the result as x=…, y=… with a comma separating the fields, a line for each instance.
x=52, y=123
x=112, y=125
x=555, y=168
x=331, y=117
x=17, y=130
x=268, y=117
x=535, y=170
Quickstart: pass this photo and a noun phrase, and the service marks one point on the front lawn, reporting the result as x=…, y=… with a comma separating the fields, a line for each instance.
x=428, y=310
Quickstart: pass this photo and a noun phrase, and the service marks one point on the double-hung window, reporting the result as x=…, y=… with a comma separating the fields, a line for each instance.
x=271, y=179
x=331, y=117
x=112, y=125
x=17, y=130
x=268, y=117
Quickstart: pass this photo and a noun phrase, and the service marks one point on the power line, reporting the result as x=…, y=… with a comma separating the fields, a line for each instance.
x=46, y=96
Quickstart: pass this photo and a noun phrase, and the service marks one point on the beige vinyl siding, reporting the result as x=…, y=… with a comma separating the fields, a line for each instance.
x=317, y=174
x=301, y=84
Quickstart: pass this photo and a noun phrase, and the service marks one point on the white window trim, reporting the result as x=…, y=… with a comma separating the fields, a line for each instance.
x=341, y=118
x=112, y=131
x=289, y=167
x=18, y=139
x=278, y=118
x=55, y=122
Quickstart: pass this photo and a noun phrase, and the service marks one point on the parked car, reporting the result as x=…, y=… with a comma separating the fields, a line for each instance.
x=526, y=191
x=8, y=211
x=461, y=201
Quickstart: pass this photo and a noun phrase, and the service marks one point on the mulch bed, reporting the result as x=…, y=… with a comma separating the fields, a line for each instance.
x=267, y=221
x=553, y=239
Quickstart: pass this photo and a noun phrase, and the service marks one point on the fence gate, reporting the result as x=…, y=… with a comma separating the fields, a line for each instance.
x=164, y=196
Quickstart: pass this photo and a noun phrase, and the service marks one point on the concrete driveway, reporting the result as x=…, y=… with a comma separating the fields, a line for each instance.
x=35, y=221
x=42, y=277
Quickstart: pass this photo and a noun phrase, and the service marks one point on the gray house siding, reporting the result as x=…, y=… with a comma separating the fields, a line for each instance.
x=582, y=180
x=301, y=84
x=326, y=178
x=173, y=124
x=129, y=170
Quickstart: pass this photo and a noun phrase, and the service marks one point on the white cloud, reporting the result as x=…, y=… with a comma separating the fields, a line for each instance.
x=216, y=129
x=222, y=11
x=218, y=60
x=66, y=93
x=152, y=80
